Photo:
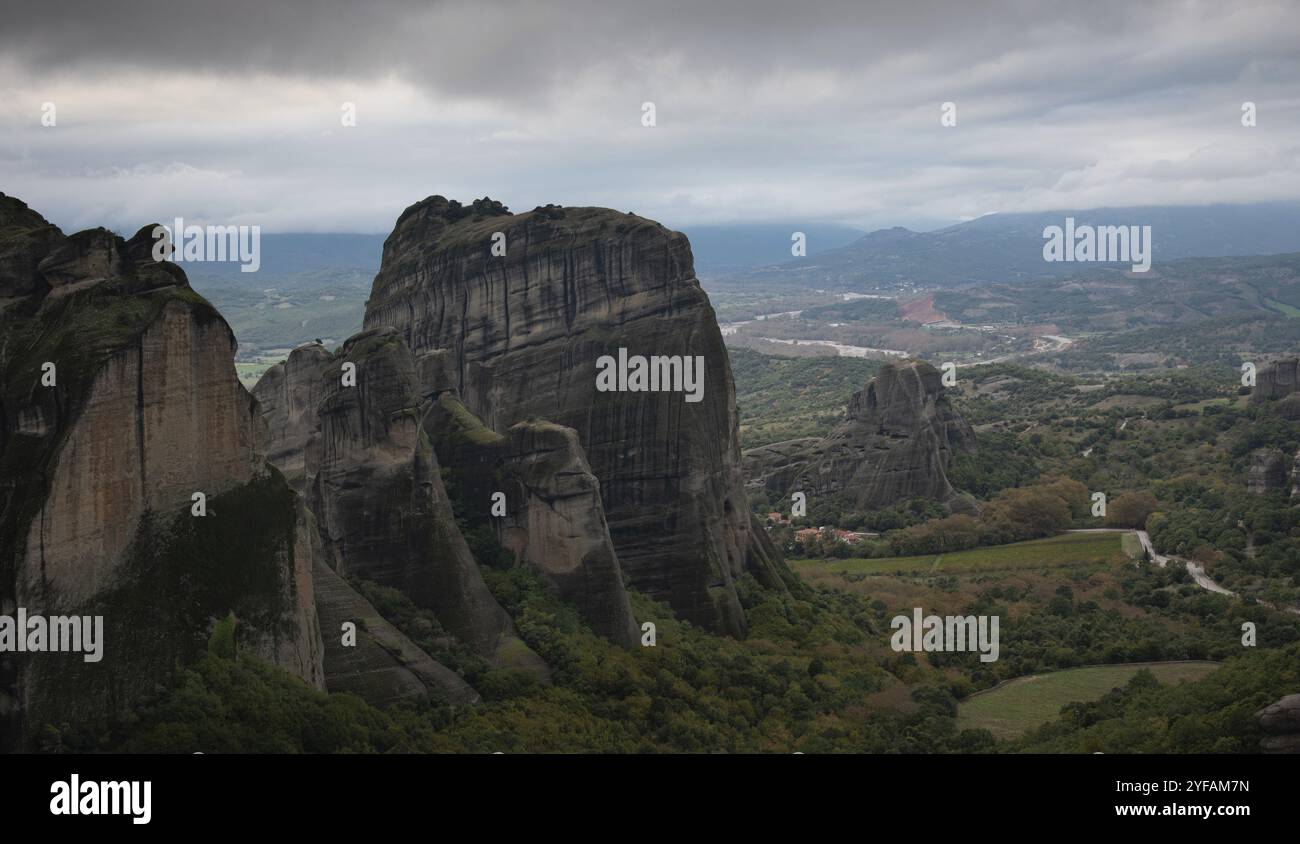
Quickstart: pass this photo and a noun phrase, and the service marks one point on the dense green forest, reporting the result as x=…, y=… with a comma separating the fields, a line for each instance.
x=816, y=672
x=814, y=675
x=1171, y=451
x=785, y=398
x=1213, y=715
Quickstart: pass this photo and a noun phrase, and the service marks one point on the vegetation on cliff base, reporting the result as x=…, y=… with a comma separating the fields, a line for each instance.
x=1171, y=450
x=78, y=333
x=1213, y=715
x=179, y=574
x=815, y=675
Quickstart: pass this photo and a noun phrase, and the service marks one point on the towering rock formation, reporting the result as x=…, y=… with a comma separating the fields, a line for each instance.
x=374, y=485
x=118, y=402
x=383, y=510
x=895, y=443
x=289, y=394
x=383, y=665
x=1279, y=382
x=524, y=331
x=344, y=446
x=553, y=521
x=1267, y=471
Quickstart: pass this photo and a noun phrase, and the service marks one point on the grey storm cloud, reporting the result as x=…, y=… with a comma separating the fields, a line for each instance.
x=766, y=110
x=515, y=49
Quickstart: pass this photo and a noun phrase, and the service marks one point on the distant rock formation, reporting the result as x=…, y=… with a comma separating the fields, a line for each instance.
x=1281, y=721
x=1280, y=382
x=525, y=305
x=895, y=443
x=118, y=402
x=1267, y=471
x=373, y=483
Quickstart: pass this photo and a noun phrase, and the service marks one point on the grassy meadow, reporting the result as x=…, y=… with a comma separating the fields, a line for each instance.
x=1024, y=703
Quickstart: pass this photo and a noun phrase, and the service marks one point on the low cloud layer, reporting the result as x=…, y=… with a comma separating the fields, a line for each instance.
x=768, y=111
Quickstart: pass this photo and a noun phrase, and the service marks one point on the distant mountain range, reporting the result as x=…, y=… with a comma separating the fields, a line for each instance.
x=716, y=248
x=722, y=248
x=1009, y=247
x=315, y=285
x=291, y=254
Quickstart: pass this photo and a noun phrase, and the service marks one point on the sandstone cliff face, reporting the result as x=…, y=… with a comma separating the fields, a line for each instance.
x=134, y=449
x=524, y=332
x=289, y=394
x=559, y=525
x=99, y=468
x=383, y=666
x=373, y=482
x=379, y=664
x=895, y=443
x=772, y=469
x=553, y=518
x=1267, y=471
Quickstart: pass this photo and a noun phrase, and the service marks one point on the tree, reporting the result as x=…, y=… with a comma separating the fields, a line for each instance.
x=1131, y=509
x=1033, y=511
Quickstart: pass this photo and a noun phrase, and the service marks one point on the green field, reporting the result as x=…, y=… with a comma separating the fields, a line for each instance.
x=1068, y=549
x=1282, y=307
x=249, y=373
x=1025, y=703
x=252, y=368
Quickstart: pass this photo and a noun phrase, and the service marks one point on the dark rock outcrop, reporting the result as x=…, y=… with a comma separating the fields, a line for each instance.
x=1267, y=471
x=1279, y=382
x=1281, y=721
x=553, y=518
x=98, y=470
x=771, y=469
x=25, y=239
x=289, y=394
x=375, y=488
x=895, y=443
x=524, y=332
x=383, y=665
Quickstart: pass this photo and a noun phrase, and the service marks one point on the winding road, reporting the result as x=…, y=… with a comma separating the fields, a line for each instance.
x=1197, y=572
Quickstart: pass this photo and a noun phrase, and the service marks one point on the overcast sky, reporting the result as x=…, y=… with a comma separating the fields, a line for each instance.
x=766, y=111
